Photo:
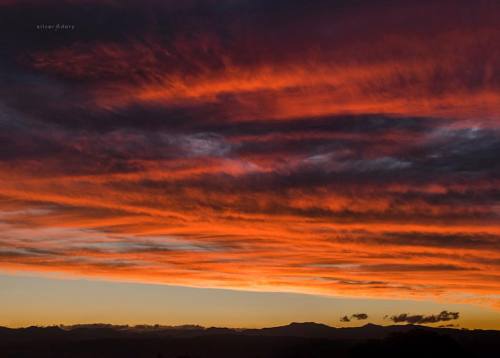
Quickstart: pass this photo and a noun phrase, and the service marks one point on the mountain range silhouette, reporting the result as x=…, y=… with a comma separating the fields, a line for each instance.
x=295, y=340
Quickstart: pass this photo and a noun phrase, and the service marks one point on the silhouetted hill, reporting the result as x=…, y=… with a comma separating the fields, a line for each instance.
x=293, y=340
x=307, y=329
x=315, y=330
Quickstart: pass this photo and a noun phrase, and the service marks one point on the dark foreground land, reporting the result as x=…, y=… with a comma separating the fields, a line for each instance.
x=295, y=340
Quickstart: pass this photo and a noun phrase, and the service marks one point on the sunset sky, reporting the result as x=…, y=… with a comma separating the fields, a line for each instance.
x=249, y=162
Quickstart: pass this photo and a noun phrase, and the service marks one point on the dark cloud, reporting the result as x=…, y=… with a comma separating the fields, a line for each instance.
x=356, y=316
x=345, y=319
x=422, y=319
x=411, y=267
x=471, y=241
x=360, y=316
x=458, y=240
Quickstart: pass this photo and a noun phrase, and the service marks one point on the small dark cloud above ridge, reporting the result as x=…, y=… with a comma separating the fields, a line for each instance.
x=355, y=316
x=443, y=316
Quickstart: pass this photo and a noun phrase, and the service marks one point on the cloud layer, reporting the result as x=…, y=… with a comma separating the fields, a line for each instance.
x=339, y=148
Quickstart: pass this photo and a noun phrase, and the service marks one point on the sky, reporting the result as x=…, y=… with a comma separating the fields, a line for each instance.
x=323, y=154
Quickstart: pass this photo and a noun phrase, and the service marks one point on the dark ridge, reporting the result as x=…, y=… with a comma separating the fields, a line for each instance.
x=294, y=340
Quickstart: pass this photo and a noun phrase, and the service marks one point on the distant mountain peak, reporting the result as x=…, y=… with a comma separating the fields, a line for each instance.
x=307, y=324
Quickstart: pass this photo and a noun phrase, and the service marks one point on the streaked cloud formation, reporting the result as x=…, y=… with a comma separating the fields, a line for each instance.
x=444, y=316
x=357, y=316
x=337, y=147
